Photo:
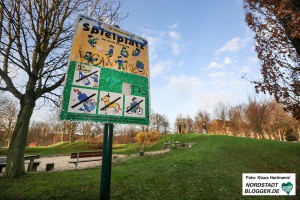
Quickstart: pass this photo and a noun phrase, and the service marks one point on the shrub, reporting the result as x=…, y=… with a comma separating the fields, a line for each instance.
x=148, y=138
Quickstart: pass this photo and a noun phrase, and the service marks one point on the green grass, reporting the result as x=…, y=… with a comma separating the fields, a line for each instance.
x=211, y=169
x=183, y=138
x=125, y=148
x=64, y=148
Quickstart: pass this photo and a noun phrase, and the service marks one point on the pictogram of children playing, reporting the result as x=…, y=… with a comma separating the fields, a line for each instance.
x=139, y=65
x=136, y=52
x=124, y=52
x=92, y=41
x=121, y=62
x=89, y=57
x=110, y=51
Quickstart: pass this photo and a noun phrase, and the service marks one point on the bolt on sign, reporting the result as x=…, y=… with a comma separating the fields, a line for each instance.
x=108, y=75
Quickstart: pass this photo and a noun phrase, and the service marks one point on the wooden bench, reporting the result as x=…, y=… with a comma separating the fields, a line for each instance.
x=85, y=155
x=34, y=168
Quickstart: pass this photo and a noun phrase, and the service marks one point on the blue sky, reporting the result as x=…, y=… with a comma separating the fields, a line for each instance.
x=199, y=51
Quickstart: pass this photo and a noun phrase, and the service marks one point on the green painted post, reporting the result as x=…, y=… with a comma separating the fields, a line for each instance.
x=106, y=162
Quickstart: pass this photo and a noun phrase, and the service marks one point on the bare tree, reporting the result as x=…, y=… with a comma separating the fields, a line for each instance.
x=189, y=125
x=56, y=125
x=8, y=118
x=258, y=114
x=35, y=39
x=98, y=129
x=159, y=122
x=40, y=133
x=237, y=120
x=280, y=123
x=156, y=120
x=201, y=121
x=71, y=128
x=221, y=112
x=165, y=124
x=86, y=130
x=179, y=124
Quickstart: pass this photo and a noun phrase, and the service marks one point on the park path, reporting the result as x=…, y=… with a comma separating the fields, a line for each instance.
x=61, y=162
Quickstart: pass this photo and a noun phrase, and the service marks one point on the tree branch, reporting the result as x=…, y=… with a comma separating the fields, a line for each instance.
x=40, y=92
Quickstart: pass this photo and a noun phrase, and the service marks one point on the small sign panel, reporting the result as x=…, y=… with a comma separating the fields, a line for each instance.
x=269, y=184
x=108, y=75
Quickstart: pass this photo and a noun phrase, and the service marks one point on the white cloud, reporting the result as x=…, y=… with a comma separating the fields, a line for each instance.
x=231, y=84
x=156, y=40
x=159, y=40
x=154, y=43
x=215, y=65
x=176, y=48
x=174, y=35
x=181, y=63
x=250, y=64
x=184, y=83
x=160, y=67
x=243, y=69
x=175, y=25
x=175, y=42
x=217, y=74
x=233, y=45
x=227, y=61
x=253, y=60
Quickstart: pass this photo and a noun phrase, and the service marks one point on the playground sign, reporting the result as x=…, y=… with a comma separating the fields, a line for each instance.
x=108, y=75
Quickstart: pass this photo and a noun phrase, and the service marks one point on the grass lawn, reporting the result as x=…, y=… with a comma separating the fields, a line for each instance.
x=64, y=148
x=211, y=169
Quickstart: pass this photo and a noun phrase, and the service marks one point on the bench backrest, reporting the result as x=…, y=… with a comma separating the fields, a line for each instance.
x=86, y=154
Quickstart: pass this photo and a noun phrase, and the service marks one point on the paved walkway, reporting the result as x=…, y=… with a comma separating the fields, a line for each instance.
x=61, y=162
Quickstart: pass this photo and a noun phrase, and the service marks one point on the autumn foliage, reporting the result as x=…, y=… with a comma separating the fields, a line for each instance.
x=148, y=138
x=276, y=24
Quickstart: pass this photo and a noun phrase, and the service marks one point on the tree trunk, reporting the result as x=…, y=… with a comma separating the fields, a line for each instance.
x=15, y=157
x=260, y=132
x=62, y=137
x=70, y=137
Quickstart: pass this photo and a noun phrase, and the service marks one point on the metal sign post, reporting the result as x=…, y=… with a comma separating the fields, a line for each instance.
x=106, y=162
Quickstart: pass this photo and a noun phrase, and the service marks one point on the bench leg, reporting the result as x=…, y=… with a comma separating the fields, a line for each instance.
x=77, y=160
x=1, y=167
x=35, y=165
x=49, y=167
x=33, y=168
x=30, y=166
